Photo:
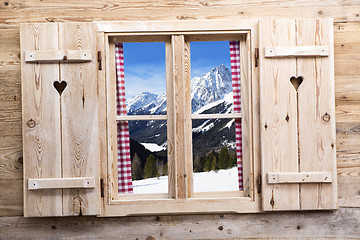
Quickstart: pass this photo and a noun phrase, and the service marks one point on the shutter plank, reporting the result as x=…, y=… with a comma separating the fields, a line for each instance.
x=278, y=114
x=41, y=120
x=79, y=111
x=316, y=99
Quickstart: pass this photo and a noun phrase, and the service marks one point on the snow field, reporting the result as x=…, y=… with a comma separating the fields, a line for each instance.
x=222, y=180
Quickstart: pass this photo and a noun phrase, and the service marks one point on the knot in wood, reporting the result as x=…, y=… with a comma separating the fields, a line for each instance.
x=326, y=117
x=31, y=123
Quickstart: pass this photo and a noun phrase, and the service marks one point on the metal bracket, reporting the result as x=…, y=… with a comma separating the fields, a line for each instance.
x=100, y=60
x=256, y=57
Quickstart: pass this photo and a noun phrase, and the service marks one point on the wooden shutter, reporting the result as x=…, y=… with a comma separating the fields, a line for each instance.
x=297, y=125
x=60, y=131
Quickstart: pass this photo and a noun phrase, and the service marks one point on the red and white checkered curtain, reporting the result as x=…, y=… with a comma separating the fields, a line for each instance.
x=123, y=138
x=235, y=73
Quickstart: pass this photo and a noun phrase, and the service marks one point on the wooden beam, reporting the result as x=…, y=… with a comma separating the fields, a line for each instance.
x=341, y=224
x=56, y=56
x=299, y=177
x=296, y=51
x=56, y=183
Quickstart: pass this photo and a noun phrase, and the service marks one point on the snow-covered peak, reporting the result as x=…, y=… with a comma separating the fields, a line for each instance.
x=211, y=87
x=140, y=100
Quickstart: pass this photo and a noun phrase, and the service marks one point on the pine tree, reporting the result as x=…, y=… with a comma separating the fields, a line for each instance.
x=136, y=169
x=197, y=164
x=207, y=165
x=213, y=164
x=150, y=168
x=223, y=158
x=159, y=165
x=165, y=169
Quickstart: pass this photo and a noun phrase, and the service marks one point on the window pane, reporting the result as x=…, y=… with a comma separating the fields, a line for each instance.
x=145, y=78
x=148, y=151
x=211, y=81
x=215, y=159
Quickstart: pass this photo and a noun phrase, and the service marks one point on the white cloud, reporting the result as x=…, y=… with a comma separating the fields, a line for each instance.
x=145, y=77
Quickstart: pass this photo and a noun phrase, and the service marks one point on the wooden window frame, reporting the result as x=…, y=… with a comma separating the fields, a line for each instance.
x=180, y=198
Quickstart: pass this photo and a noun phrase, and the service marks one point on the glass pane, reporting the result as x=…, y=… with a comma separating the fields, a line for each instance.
x=211, y=81
x=145, y=78
x=214, y=151
x=148, y=150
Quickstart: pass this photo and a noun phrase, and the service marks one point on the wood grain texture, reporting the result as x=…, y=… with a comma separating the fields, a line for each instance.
x=189, y=168
x=58, y=55
x=41, y=106
x=317, y=150
x=170, y=101
x=314, y=113
x=11, y=200
x=342, y=224
x=56, y=183
x=101, y=82
x=180, y=114
x=306, y=51
x=112, y=167
x=247, y=119
x=347, y=85
x=302, y=177
x=278, y=114
x=17, y=11
x=79, y=116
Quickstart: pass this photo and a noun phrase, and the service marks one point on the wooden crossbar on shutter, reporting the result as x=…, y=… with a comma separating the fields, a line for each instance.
x=60, y=120
x=297, y=114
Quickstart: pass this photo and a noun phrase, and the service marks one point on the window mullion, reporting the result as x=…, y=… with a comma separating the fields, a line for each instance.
x=179, y=119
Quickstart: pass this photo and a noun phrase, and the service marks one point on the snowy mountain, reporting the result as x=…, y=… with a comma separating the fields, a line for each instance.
x=210, y=93
x=209, y=88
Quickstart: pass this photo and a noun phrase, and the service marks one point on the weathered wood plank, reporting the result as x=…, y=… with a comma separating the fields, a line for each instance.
x=55, y=183
x=316, y=135
x=79, y=113
x=178, y=48
x=347, y=83
x=58, y=55
x=10, y=44
x=170, y=101
x=11, y=162
x=341, y=224
x=306, y=51
x=34, y=11
x=349, y=191
x=302, y=177
x=347, y=146
x=41, y=120
x=278, y=115
x=11, y=198
x=247, y=119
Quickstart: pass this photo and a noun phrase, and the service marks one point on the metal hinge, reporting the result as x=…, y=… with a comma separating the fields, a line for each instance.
x=102, y=187
x=256, y=57
x=99, y=60
x=259, y=183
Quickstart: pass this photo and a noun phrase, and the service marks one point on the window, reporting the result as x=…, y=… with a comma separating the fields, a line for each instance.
x=183, y=118
x=74, y=111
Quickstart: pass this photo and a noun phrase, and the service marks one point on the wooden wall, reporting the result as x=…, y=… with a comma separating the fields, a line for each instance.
x=346, y=15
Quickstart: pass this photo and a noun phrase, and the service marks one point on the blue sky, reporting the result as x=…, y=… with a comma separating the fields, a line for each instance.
x=144, y=64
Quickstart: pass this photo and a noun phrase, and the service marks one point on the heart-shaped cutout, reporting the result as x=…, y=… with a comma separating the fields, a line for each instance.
x=296, y=81
x=60, y=86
